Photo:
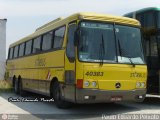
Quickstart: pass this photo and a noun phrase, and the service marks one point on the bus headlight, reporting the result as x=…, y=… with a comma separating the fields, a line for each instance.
x=143, y=84
x=86, y=83
x=138, y=84
x=94, y=84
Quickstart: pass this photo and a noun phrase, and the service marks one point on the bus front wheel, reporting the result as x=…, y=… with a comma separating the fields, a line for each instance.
x=57, y=95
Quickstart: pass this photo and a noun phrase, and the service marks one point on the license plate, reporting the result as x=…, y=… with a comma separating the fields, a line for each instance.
x=116, y=98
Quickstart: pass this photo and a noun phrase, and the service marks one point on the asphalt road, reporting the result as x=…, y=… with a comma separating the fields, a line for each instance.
x=41, y=110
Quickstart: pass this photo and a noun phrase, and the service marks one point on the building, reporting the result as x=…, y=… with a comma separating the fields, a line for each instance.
x=2, y=47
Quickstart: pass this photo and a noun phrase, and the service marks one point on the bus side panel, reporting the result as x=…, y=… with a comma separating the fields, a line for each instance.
x=37, y=71
x=53, y=67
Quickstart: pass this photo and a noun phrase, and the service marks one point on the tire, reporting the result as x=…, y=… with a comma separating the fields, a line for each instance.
x=16, y=86
x=57, y=95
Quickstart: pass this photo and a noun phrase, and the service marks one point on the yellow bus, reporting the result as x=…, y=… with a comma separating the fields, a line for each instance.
x=84, y=58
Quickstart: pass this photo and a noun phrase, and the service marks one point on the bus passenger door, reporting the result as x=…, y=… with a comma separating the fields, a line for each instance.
x=69, y=89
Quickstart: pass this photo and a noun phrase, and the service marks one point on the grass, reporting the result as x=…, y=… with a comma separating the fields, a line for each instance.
x=5, y=86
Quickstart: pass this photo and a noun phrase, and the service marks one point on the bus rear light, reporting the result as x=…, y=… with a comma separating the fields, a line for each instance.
x=79, y=83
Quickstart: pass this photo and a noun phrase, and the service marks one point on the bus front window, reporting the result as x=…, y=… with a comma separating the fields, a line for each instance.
x=110, y=43
x=129, y=42
x=97, y=40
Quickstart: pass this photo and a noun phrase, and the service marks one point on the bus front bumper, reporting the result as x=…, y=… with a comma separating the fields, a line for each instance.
x=102, y=96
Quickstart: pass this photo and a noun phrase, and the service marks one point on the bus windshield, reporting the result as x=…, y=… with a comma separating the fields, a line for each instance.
x=110, y=43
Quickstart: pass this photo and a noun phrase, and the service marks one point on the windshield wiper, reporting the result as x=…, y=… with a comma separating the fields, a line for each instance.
x=123, y=52
x=102, y=51
x=130, y=59
x=120, y=50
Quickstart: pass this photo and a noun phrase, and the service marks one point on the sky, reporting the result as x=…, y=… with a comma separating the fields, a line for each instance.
x=24, y=16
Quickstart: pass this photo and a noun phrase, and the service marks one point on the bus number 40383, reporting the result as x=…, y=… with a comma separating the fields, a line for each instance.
x=94, y=74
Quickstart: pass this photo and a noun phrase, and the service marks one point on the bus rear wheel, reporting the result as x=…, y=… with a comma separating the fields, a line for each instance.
x=57, y=95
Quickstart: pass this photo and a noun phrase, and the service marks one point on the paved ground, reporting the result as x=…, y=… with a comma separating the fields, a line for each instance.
x=37, y=110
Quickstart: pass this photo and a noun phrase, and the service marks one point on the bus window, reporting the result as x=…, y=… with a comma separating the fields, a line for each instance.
x=21, y=50
x=10, y=53
x=154, y=49
x=149, y=19
x=70, y=44
x=47, y=41
x=16, y=51
x=28, y=47
x=131, y=48
x=36, y=45
x=58, y=37
x=96, y=39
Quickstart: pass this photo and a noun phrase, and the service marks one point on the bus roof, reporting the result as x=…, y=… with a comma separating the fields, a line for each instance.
x=83, y=15
x=144, y=10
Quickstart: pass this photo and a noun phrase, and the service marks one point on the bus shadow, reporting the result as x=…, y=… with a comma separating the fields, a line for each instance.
x=152, y=100
x=47, y=110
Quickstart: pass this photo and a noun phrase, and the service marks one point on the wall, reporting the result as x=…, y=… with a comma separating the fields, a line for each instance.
x=2, y=47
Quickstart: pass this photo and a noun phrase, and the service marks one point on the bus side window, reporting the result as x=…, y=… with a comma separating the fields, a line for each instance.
x=10, y=53
x=16, y=51
x=47, y=41
x=149, y=19
x=28, y=47
x=58, y=37
x=21, y=49
x=153, y=45
x=70, y=50
x=37, y=45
